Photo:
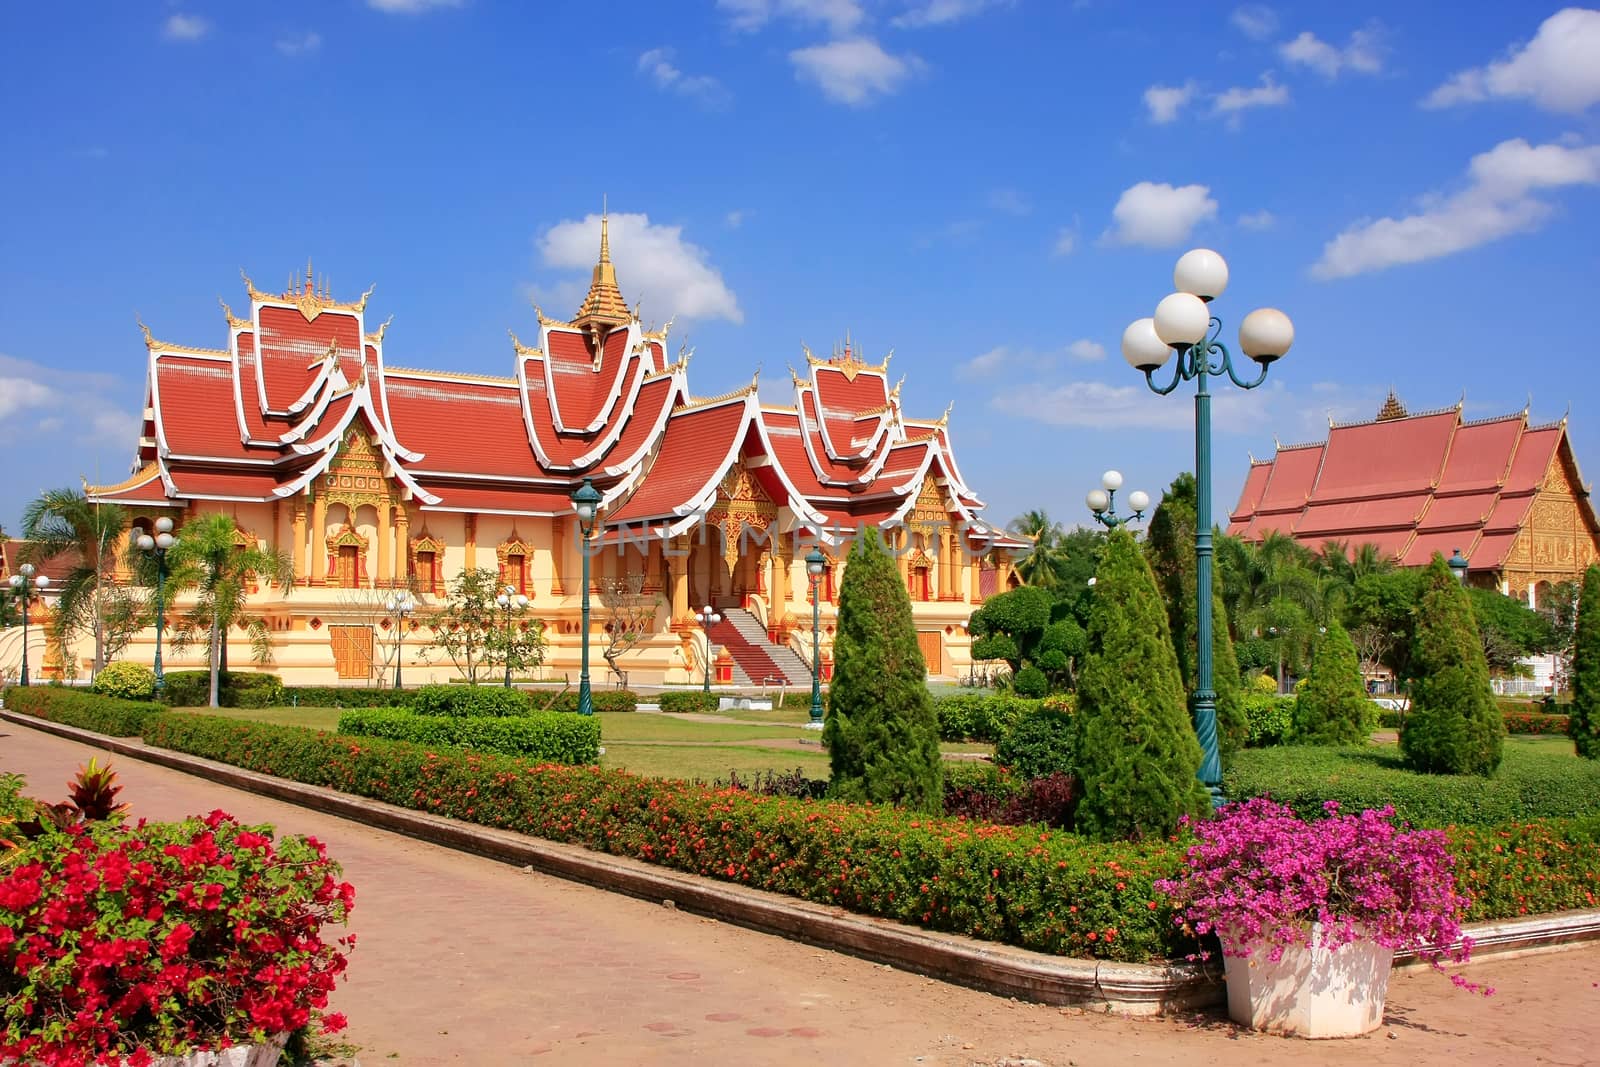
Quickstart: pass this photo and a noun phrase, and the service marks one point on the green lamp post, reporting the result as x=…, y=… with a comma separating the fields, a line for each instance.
x=1103, y=502
x=1458, y=565
x=708, y=619
x=586, y=502
x=1184, y=326
x=25, y=583
x=510, y=601
x=816, y=563
x=156, y=547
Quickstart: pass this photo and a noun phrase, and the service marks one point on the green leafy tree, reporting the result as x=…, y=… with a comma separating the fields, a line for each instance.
x=477, y=635
x=62, y=522
x=1332, y=709
x=1510, y=631
x=209, y=562
x=881, y=730
x=1037, y=568
x=1010, y=625
x=1136, y=750
x=1453, y=726
x=1170, y=549
x=1585, y=722
x=1380, y=617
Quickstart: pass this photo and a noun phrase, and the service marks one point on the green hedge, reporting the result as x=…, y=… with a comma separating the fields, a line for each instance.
x=607, y=700
x=546, y=736
x=1051, y=892
x=1517, y=722
x=1531, y=784
x=475, y=700
x=980, y=716
x=235, y=689
x=333, y=696
x=87, y=711
x=679, y=700
x=1270, y=717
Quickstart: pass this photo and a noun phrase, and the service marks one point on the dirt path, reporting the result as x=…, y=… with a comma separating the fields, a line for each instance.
x=465, y=961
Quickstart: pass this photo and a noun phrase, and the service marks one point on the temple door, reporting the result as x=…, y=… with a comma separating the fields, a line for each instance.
x=931, y=643
x=352, y=650
x=347, y=574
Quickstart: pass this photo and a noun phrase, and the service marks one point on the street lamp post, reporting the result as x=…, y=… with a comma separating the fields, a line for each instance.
x=816, y=563
x=25, y=582
x=1184, y=326
x=400, y=606
x=586, y=502
x=708, y=619
x=1458, y=565
x=1103, y=502
x=510, y=600
x=157, y=547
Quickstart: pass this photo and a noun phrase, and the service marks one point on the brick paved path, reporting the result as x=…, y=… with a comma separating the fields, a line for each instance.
x=465, y=961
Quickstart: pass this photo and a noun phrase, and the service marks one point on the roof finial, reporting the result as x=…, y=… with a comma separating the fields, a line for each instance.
x=308, y=274
x=605, y=234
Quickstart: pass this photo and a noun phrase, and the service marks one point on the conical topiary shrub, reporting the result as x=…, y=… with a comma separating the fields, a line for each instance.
x=1332, y=708
x=881, y=730
x=1585, y=721
x=1136, y=750
x=1453, y=726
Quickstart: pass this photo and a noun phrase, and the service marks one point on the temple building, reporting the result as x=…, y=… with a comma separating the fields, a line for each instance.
x=374, y=477
x=1503, y=491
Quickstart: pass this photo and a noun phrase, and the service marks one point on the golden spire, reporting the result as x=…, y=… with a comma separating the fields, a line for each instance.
x=1392, y=409
x=308, y=274
x=605, y=236
x=603, y=306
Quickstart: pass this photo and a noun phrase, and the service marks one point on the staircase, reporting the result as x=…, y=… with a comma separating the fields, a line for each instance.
x=755, y=659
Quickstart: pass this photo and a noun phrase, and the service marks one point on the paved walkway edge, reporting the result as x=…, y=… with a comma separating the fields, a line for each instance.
x=1139, y=989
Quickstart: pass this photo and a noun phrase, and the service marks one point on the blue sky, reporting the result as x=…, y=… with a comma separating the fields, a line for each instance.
x=991, y=189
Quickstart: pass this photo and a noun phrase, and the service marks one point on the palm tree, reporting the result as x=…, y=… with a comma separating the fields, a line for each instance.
x=1039, y=566
x=209, y=560
x=63, y=522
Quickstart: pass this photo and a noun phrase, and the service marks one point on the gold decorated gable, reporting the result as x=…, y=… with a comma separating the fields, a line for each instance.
x=513, y=546
x=355, y=477
x=930, y=509
x=1559, y=539
x=742, y=504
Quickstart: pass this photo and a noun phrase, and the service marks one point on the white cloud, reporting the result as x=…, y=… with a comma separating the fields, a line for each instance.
x=182, y=27
x=1158, y=215
x=1559, y=70
x=1086, y=351
x=939, y=12
x=1066, y=241
x=1165, y=101
x=853, y=71
x=657, y=65
x=655, y=265
x=1496, y=203
x=734, y=219
x=1099, y=406
x=1255, y=21
x=1003, y=358
x=1258, y=220
x=1269, y=93
x=410, y=7
x=1362, y=55
x=300, y=44
x=840, y=16
x=1010, y=201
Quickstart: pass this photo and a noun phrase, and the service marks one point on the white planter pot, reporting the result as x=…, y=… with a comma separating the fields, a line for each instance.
x=1311, y=991
x=263, y=1055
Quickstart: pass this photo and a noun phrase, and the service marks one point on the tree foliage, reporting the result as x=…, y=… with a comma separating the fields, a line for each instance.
x=881, y=730
x=630, y=615
x=478, y=635
x=1332, y=709
x=1136, y=750
x=1510, y=631
x=62, y=522
x=1585, y=721
x=209, y=561
x=1453, y=726
x=1029, y=627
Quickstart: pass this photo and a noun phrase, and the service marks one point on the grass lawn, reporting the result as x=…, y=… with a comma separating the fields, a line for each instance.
x=632, y=726
x=319, y=718
x=1539, y=777
x=711, y=762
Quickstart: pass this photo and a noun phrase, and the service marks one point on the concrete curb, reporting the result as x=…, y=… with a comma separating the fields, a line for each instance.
x=1136, y=989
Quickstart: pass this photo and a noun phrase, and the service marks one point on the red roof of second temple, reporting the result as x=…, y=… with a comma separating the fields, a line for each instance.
x=461, y=426
x=1410, y=484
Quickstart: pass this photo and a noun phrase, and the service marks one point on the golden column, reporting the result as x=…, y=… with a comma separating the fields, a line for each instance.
x=319, y=541
x=385, y=571
x=471, y=537
x=298, y=526
x=558, y=555
x=402, y=546
x=680, y=579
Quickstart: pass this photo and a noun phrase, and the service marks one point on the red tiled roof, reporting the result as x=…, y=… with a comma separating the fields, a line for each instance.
x=193, y=395
x=1255, y=484
x=1381, y=458
x=1421, y=550
x=1454, y=512
x=233, y=483
x=1492, y=549
x=1480, y=455
x=292, y=347
x=522, y=500
x=1322, y=521
x=693, y=453
x=1294, y=474
x=1534, y=452
x=462, y=427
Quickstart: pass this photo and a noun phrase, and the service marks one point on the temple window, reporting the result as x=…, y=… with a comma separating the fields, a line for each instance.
x=426, y=571
x=515, y=572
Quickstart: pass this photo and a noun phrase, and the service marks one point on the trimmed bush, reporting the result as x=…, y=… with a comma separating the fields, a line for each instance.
x=1585, y=708
x=1333, y=709
x=125, y=680
x=1038, y=744
x=979, y=716
x=1453, y=726
x=1270, y=718
x=86, y=711
x=478, y=701
x=1030, y=681
x=881, y=731
x=235, y=689
x=1527, y=868
x=1532, y=784
x=549, y=735
x=602, y=700
x=1534, y=722
x=678, y=701
x=1136, y=752
x=334, y=696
